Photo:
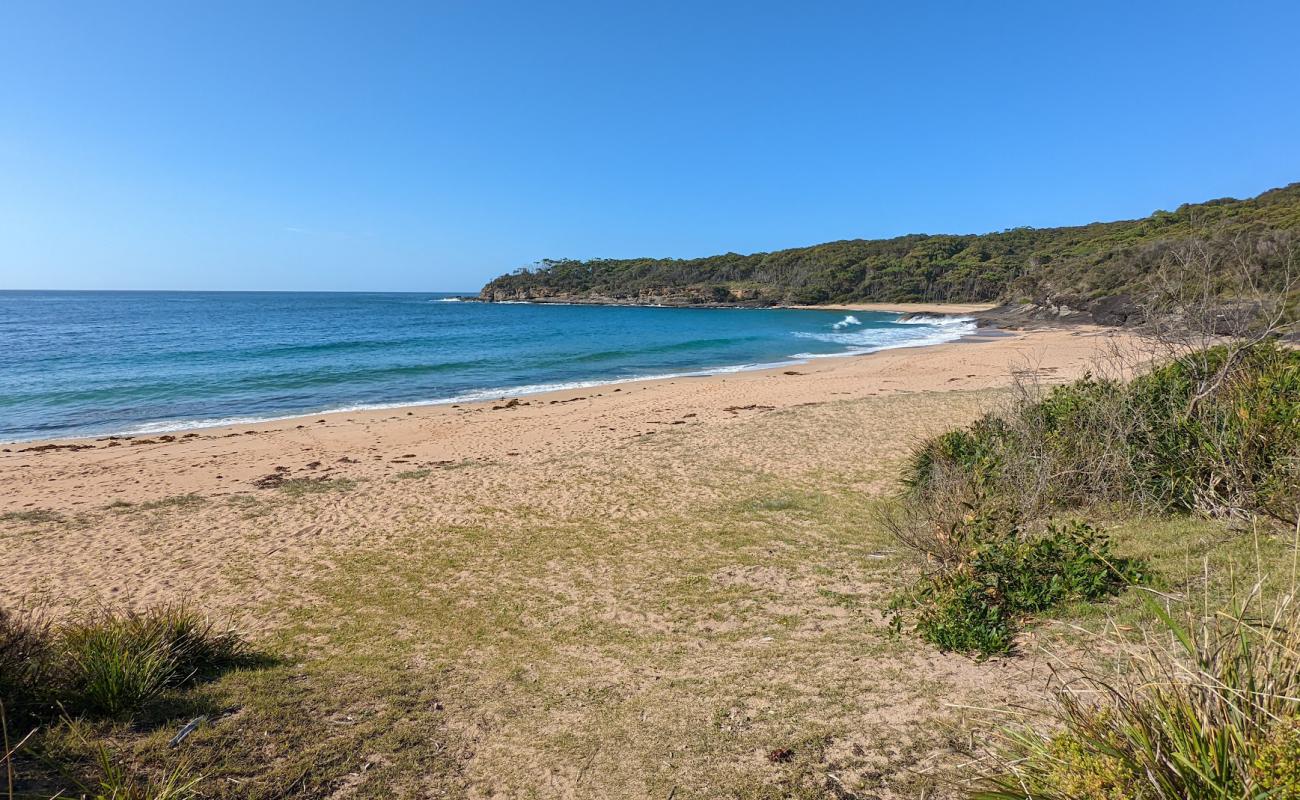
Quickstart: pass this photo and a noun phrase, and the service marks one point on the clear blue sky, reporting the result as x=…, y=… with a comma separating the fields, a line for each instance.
x=426, y=146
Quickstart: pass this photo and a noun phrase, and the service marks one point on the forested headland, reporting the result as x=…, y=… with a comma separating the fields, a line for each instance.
x=1095, y=268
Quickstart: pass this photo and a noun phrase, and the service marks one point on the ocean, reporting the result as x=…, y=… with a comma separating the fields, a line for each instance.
x=99, y=363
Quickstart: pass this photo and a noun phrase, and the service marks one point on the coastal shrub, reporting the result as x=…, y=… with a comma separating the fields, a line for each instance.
x=1215, y=430
x=1215, y=714
x=974, y=604
x=1221, y=431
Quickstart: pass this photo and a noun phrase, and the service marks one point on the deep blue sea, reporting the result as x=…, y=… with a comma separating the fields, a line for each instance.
x=95, y=363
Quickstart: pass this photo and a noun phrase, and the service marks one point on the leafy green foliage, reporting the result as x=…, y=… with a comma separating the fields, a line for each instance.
x=1220, y=433
x=1276, y=766
x=1084, y=262
x=1217, y=430
x=1005, y=574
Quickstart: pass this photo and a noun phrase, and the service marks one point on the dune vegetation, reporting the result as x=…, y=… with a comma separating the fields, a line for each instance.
x=1202, y=702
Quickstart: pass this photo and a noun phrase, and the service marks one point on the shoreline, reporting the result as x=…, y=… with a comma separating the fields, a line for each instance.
x=94, y=472
x=145, y=430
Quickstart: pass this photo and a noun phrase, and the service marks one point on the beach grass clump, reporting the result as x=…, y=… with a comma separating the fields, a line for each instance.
x=102, y=678
x=26, y=661
x=118, y=663
x=175, y=501
x=199, y=646
x=1207, y=708
x=112, y=671
x=108, y=664
x=974, y=604
x=1215, y=430
x=35, y=516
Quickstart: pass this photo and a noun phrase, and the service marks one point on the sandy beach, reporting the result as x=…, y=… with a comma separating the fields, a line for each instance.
x=638, y=590
x=96, y=479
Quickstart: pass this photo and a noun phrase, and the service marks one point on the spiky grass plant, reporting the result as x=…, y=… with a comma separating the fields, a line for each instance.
x=117, y=663
x=115, y=670
x=1207, y=710
x=26, y=664
x=198, y=644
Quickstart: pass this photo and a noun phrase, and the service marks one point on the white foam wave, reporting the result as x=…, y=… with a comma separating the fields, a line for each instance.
x=846, y=322
x=873, y=340
x=934, y=319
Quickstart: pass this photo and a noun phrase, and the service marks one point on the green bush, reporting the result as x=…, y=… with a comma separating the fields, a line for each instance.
x=960, y=610
x=1216, y=430
x=1221, y=431
x=975, y=604
x=1276, y=766
x=1076, y=769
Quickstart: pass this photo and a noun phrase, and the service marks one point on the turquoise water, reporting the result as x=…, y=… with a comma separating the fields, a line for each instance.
x=94, y=363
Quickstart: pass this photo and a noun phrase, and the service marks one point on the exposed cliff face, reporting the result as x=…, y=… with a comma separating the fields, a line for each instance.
x=1114, y=310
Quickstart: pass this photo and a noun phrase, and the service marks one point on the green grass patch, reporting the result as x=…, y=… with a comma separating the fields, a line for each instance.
x=180, y=501
x=297, y=487
x=35, y=516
